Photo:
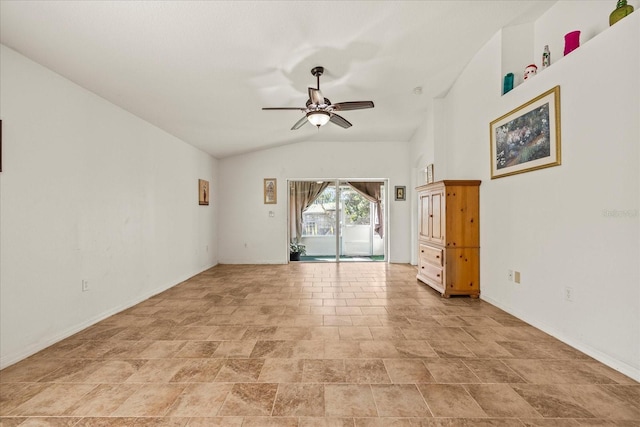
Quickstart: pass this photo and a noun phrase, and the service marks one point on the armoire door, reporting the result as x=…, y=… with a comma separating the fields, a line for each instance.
x=425, y=220
x=436, y=215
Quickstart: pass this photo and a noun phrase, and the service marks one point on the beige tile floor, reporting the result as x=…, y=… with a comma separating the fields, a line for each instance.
x=311, y=345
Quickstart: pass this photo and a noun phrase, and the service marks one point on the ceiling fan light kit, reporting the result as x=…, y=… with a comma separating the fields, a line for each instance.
x=318, y=118
x=319, y=110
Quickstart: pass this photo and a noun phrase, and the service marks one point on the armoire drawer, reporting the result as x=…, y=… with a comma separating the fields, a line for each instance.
x=430, y=271
x=431, y=255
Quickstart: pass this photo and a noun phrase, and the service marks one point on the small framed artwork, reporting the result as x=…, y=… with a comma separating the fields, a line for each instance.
x=270, y=191
x=527, y=138
x=429, y=173
x=203, y=192
x=401, y=192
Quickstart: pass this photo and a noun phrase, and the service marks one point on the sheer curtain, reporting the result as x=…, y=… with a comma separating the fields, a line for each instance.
x=372, y=191
x=303, y=193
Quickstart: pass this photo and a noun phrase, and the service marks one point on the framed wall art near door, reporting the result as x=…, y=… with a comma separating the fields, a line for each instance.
x=401, y=192
x=527, y=138
x=270, y=191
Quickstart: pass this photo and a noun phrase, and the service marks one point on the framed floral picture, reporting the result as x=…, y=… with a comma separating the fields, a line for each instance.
x=527, y=138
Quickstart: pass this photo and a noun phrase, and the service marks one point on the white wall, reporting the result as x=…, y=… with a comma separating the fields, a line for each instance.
x=246, y=219
x=575, y=225
x=518, y=49
x=423, y=150
x=421, y=153
x=566, y=16
x=89, y=192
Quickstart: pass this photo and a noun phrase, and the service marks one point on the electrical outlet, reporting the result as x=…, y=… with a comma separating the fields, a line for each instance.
x=516, y=277
x=510, y=275
x=85, y=285
x=568, y=294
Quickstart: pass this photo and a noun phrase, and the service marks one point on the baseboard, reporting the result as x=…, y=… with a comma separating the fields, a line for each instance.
x=623, y=368
x=14, y=358
x=253, y=262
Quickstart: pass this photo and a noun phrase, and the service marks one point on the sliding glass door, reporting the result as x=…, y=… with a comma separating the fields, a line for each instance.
x=319, y=228
x=338, y=220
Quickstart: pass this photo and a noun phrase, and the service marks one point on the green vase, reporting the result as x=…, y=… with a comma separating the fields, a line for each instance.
x=622, y=9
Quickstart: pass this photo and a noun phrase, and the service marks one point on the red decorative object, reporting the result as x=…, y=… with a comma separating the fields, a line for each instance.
x=571, y=41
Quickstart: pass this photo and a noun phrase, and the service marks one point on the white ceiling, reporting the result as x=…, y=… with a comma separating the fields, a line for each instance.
x=202, y=70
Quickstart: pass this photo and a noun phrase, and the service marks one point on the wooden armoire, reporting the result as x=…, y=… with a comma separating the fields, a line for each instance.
x=449, y=237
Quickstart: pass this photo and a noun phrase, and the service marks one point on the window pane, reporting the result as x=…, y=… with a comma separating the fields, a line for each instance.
x=320, y=218
x=357, y=209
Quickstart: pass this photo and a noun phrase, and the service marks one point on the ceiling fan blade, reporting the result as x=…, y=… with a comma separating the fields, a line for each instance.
x=340, y=121
x=316, y=96
x=354, y=105
x=284, y=108
x=300, y=123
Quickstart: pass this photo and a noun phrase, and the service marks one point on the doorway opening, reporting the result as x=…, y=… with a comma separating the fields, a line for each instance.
x=338, y=220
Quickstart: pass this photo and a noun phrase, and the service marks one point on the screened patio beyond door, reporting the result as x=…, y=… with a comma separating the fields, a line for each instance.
x=338, y=220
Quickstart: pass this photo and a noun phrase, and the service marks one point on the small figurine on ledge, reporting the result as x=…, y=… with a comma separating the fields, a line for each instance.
x=530, y=71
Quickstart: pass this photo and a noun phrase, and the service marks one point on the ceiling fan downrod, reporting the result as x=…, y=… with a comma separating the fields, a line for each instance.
x=317, y=72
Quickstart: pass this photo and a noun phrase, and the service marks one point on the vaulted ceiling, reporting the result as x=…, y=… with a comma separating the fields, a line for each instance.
x=202, y=70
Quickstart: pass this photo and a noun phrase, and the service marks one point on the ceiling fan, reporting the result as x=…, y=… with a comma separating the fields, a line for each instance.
x=319, y=110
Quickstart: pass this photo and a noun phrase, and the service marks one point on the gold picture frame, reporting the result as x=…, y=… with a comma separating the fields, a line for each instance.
x=203, y=192
x=270, y=191
x=528, y=137
x=401, y=192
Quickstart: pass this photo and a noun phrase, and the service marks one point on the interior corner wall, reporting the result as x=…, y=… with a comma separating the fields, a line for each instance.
x=422, y=151
x=249, y=235
x=571, y=226
x=89, y=192
x=421, y=154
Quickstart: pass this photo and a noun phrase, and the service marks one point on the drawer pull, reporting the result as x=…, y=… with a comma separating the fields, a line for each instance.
x=438, y=256
x=437, y=275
